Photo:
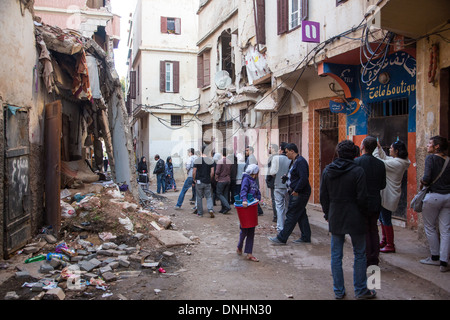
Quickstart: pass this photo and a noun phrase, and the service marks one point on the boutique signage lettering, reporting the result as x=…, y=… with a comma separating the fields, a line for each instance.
x=389, y=90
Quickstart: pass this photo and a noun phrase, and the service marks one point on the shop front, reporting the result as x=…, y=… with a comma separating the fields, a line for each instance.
x=379, y=99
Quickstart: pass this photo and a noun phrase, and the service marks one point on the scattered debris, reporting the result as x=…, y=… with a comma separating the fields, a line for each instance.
x=107, y=238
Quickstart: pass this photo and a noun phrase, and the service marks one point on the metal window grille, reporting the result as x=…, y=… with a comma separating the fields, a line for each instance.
x=387, y=108
x=328, y=119
x=175, y=120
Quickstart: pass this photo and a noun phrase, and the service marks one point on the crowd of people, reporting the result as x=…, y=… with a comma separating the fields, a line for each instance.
x=358, y=190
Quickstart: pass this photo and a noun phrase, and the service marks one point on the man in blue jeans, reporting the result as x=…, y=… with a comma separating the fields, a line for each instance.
x=343, y=196
x=160, y=174
x=299, y=193
x=188, y=182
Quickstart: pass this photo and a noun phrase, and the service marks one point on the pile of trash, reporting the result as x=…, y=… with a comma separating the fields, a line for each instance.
x=104, y=237
x=60, y=267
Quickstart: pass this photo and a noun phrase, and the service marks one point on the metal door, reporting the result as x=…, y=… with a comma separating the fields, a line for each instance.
x=17, y=213
x=387, y=130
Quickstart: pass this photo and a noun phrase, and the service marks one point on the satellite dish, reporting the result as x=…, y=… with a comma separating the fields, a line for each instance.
x=222, y=79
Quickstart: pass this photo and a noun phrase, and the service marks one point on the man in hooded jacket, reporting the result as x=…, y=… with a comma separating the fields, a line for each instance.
x=343, y=196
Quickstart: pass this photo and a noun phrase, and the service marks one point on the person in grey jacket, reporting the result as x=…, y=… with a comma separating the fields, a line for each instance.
x=279, y=168
x=343, y=196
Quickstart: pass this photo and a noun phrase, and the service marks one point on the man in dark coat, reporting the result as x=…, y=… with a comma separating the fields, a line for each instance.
x=376, y=181
x=343, y=196
x=299, y=193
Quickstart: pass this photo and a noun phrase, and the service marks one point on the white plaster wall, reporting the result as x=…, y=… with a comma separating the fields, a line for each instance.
x=18, y=54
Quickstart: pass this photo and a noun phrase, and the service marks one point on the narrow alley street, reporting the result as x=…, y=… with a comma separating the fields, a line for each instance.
x=209, y=269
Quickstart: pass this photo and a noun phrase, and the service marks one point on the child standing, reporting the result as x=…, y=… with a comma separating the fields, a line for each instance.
x=249, y=186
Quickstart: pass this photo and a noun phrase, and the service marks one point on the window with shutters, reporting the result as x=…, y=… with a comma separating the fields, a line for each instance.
x=170, y=25
x=290, y=14
x=203, y=69
x=169, y=76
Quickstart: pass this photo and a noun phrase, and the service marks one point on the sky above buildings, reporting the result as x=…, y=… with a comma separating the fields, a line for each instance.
x=123, y=8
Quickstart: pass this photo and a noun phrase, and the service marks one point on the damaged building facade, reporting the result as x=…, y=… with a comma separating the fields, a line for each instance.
x=63, y=107
x=317, y=73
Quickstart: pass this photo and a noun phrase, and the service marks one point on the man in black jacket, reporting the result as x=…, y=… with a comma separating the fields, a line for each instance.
x=343, y=196
x=376, y=181
x=299, y=192
x=159, y=170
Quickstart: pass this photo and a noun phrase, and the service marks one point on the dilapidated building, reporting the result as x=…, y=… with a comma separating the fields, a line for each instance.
x=63, y=106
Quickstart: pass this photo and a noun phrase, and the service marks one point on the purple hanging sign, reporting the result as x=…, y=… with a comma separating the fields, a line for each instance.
x=310, y=31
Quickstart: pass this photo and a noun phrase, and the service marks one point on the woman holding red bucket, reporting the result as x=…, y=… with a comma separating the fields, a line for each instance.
x=249, y=190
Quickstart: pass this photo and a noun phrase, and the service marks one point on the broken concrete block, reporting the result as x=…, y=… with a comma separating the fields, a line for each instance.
x=139, y=236
x=95, y=262
x=150, y=264
x=46, y=268
x=109, y=276
x=109, y=245
x=11, y=295
x=55, y=294
x=124, y=263
x=22, y=274
x=168, y=253
x=105, y=269
x=50, y=239
x=86, y=266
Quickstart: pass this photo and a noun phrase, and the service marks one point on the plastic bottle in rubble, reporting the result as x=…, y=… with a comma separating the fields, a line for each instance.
x=36, y=258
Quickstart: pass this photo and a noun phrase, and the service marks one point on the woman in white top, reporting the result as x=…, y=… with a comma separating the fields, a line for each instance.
x=396, y=164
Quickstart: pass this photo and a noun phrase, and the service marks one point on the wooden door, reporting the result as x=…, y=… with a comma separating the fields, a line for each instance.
x=17, y=207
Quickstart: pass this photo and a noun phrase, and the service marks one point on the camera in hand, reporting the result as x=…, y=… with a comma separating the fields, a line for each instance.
x=284, y=178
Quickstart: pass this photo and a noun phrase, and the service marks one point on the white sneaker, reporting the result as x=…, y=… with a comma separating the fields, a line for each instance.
x=430, y=261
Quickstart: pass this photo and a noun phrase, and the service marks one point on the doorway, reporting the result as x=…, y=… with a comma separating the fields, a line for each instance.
x=290, y=129
x=17, y=194
x=329, y=137
x=388, y=121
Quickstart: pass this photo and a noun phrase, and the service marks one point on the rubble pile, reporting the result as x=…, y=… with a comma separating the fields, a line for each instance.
x=104, y=238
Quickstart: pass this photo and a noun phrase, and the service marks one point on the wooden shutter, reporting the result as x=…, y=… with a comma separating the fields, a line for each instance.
x=282, y=16
x=132, y=84
x=163, y=24
x=162, y=76
x=200, y=71
x=206, y=69
x=177, y=26
x=176, y=76
x=305, y=9
x=260, y=20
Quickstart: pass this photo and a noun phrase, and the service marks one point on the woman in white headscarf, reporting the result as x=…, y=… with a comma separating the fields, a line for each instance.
x=249, y=187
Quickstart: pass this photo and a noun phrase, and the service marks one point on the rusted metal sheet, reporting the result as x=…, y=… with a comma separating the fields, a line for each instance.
x=53, y=130
x=17, y=206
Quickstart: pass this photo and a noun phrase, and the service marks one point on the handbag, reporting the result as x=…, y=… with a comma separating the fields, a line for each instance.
x=417, y=202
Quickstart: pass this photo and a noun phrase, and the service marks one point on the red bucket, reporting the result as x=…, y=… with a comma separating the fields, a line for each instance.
x=248, y=217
